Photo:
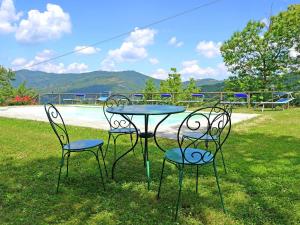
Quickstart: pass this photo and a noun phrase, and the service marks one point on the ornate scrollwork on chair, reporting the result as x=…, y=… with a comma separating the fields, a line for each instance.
x=92, y=145
x=118, y=125
x=213, y=123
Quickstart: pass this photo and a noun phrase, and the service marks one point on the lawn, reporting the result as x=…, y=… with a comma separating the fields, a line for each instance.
x=262, y=185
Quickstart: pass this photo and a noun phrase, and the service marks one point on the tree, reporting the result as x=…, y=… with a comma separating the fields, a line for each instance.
x=260, y=55
x=8, y=92
x=174, y=81
x=23, y=91
x=191, y=88
x=149, y=88
x=6, y=89
x=173, y=84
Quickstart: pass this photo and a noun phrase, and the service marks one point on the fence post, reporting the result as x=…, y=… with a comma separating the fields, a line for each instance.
x=221, y=96
x=59, y=100
x=174, y=97
x=249, y=100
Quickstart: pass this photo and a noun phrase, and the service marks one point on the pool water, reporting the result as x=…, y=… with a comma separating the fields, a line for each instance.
x=93, y=116
x=96, y=114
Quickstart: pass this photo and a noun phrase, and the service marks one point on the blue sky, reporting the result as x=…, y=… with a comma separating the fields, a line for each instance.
x=34, y=31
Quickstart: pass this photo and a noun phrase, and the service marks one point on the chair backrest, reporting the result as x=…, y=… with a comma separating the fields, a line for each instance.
x=227, y=107
x=57, y=123
x=210, y=122
x=116, y=121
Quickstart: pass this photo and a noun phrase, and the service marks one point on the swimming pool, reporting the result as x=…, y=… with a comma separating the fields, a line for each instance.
x=93, y=116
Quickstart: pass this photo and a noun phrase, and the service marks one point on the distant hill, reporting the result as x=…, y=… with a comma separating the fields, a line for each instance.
x=209, y=84
x=97, y=81
x=92, y=82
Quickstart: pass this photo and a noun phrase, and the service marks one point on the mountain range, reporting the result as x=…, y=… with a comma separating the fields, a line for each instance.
x=96, y=81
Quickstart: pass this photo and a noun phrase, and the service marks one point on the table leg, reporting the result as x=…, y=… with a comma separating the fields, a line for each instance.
x=146, y=151
x=146, y=145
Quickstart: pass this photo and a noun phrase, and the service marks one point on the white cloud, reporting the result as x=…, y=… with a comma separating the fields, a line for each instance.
x=142, y=37
x=43, y=26
x=18, y=62
x=160, y=74
x=153, y=61
x=209, y=49
x=108, y=64
x=86, y=50
x=128, y=52
x=131, y=50
x=76, y=68
x=49, y=67
x=192, y=69
x=173, y=41
x=8, y=17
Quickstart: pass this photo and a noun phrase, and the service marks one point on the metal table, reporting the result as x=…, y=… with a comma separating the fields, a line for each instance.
x=146, y=111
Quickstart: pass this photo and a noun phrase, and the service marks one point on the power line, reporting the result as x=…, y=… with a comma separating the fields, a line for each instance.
x=127, y=32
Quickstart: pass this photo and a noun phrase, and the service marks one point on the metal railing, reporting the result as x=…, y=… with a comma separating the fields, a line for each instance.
x=155, y=97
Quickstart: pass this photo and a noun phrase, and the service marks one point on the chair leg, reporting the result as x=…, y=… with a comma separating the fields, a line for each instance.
x=107, y=145
x=141, y=142
x=131, y=140
x=217, y=180
x=224, y=165
x=100, y=148
x=61, y=165
x=197, y=178
x=161, y=177
x=115, y=148
x=179, y=192
x=68, y=165
x=97, y=158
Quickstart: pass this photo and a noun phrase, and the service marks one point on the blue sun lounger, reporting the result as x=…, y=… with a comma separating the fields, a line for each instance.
x=164, y=98
x=195, y=98
x=239, y=99
x=78, y=98
x=281, y=101
x=103, y=97
x=137, y=98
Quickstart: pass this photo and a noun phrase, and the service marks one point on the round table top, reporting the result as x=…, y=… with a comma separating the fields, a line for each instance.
x=146, y=109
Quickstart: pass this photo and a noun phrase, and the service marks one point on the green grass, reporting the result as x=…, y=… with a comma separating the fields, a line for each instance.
x=262, y=185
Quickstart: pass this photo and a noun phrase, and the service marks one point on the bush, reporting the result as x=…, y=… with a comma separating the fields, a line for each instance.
x=25, y=100
x=296, y=101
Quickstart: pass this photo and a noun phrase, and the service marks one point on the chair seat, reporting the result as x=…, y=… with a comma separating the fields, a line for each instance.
x=83, y=144
x=122, y=130
x=200, y=136
x=191, y=156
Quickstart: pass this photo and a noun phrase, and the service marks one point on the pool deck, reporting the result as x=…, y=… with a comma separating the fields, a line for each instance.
x=37, y=113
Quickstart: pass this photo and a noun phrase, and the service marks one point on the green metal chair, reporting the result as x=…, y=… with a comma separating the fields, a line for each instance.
x=58, y=125
x=119, y=126
x=206, y=138
x=214, y=123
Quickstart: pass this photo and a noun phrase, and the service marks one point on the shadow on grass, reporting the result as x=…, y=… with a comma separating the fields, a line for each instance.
x=261, y=187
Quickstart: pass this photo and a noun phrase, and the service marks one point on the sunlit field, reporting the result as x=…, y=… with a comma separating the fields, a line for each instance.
x=261, y=186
